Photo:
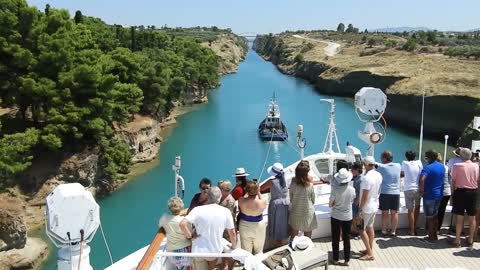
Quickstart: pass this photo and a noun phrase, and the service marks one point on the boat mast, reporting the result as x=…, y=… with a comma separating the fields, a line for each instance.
x=332, y=131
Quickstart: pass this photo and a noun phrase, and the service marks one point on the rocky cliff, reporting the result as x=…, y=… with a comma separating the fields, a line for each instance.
x=231, y=49
x=447, y=112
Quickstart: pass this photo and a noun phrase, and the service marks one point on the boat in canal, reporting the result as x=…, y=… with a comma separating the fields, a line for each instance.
x=72, y=230
x=272, y=128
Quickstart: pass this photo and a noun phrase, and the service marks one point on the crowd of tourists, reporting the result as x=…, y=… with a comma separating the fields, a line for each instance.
x=221, y=216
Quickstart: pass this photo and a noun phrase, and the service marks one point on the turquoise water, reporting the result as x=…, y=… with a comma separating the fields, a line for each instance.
x=217, y=138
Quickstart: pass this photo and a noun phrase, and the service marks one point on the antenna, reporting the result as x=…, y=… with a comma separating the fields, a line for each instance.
x=370, y=104
x=72, y=218
x=332, y=131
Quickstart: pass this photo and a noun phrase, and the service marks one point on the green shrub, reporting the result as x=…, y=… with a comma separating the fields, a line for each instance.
x=410, y=45
x=299, y=58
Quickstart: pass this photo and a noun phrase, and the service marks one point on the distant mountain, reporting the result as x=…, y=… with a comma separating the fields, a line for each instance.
x=400, y=29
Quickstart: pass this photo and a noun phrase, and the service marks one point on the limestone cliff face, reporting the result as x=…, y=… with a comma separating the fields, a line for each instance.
x=13, y=231
x=403, y=110
x=231, y=50
x=142, y=136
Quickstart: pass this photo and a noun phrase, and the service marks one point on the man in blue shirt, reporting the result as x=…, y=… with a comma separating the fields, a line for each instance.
x=431, y=188
x=390, y=191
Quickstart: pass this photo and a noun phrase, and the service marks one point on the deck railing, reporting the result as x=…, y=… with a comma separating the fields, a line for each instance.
x=152, y=250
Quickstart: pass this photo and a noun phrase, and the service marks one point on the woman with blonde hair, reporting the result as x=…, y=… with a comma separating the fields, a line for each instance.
x=251, y=227
x=302, y=200
x=176, y=240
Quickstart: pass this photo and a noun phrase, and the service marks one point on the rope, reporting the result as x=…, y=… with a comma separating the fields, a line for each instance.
x=70, y=249
x=288, y=143
x=106, y=244
x=266, y=158
x=81, y=248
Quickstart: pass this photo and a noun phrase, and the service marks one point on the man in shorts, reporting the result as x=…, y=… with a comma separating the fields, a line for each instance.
x=390, y=192
x=465, y=177
x=431, y=189
x=369, y=192
x=411, y=169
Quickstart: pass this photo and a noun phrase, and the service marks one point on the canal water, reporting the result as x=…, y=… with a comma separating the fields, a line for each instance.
x=219, y=136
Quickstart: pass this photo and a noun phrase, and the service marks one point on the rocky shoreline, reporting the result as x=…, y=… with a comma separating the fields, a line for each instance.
x=404, y=109
x=21, y=213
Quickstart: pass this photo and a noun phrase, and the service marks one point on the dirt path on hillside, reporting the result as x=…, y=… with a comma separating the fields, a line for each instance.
x=332, y=47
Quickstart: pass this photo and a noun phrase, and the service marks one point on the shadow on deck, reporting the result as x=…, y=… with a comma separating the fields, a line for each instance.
x=408, y=252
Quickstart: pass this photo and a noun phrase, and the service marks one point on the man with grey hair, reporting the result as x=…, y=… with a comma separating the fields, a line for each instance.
x=210, y=221
x=465, y=178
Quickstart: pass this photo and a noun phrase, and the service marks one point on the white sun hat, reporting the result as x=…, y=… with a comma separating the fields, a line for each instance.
x=343, y=176
x=302, y=243
x=240, y=172
x=275, y=169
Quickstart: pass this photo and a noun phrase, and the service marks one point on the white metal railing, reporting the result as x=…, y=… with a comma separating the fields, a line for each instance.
x=246, y=258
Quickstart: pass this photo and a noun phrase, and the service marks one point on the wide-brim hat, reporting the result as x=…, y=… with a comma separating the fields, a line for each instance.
x=456, y=152
x=275, y=169
x=343, y=176
x=239, y=172
x=302, y=243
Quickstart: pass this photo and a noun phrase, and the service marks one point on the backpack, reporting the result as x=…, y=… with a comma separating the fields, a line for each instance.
x=280, y=260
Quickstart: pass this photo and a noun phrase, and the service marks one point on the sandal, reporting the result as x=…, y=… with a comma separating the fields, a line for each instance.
x=367, y=258
x=363, y=252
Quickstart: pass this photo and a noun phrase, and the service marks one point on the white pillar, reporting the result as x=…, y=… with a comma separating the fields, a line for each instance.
x=69, y=258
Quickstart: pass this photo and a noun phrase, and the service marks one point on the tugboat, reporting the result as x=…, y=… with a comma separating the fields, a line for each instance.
x=272, y=128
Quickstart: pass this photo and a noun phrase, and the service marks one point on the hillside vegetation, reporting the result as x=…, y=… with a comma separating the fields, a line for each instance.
x=420, y=60
x=69, y=80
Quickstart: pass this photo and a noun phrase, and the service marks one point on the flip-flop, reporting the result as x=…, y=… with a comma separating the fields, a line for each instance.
x=367, y=258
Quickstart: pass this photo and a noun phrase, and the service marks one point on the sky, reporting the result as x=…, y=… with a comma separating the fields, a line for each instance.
x=273, y=16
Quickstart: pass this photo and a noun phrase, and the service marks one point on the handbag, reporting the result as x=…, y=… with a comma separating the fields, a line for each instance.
x=280, y=260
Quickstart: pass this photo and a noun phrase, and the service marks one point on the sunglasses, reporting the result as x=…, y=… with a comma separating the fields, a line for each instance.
x=205, y=188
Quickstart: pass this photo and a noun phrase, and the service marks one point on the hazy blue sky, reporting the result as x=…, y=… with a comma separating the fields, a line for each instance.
x=261, y=16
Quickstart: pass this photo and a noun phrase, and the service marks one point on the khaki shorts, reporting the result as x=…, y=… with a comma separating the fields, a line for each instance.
x=367, y=220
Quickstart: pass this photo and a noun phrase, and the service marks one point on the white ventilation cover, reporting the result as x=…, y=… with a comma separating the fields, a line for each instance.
x=70, y=209
x=371, y=101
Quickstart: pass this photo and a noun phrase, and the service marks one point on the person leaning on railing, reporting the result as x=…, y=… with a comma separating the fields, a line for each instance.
x=176, y=240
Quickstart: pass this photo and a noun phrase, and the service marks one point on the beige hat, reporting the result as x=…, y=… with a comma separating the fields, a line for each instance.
x=369, y=160
x=456, y=152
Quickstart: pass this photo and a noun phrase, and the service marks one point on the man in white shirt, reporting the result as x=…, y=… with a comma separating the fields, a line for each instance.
x=369, y=193
x=411, y=169
x=210, y=221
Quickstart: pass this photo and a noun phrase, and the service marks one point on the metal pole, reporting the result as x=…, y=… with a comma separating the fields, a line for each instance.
x=421, y=128
x=445, y=150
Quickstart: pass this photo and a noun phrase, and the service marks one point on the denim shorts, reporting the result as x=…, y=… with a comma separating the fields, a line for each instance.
x=430, y=207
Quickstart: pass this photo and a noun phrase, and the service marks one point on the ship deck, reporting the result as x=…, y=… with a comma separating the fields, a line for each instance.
x=407, y=252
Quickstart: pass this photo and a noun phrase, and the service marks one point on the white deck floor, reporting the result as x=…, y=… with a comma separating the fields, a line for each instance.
x=408, y=252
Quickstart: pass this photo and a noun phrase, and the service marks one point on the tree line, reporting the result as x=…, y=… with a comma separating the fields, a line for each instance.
x=73, y=79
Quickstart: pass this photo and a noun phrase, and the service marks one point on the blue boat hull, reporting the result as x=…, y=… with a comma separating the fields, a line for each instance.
x=268, y=134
